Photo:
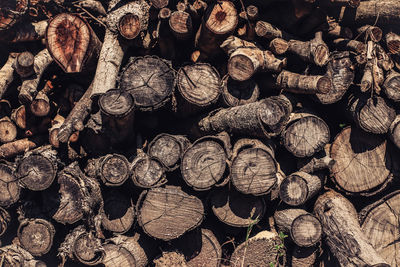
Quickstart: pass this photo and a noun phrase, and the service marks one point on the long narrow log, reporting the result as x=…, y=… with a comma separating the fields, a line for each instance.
x=7, y=73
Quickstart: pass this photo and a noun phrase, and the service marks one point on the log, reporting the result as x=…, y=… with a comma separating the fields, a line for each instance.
x=9, y=187
x=304, y=228
x=373, y=77
x=72, y=43
x=112, y=169
x=12, y=12
x=147, y=172
x=204, y=163
x=266, y=30
x=7, y=73
x=304, y=257
x=373, y=33
x=199, y=87
x=259, y=250
x=5, y=219
x=341, y=228
x=305, y=134
x=335, y=30
x=150, y=80
x=379, y=222
x=181, y=26
x=19, y=117
x=25, y=32
x=38, y=168
x=24, y=64
x=167, y=213
x=245, y=59
x=266, y=117
x=364, y=162
x=254, y=168
x=8, y=130
x=19, y=146
x=392, y=41
x=314, y=51
x=15, y=255
x=303, y=84
x=168, y=149
x=341, y=72
x=350, y=45
x=159, y=3
x=384, y=60
x=129, y=26
x=373, y=115
x=391, y=86
x=236, y=93
x=394, y=131
x=36, y=236
x=29, y=89
x=219, y=21
x=236, y=209
x=41, y=105
x=319, y=162
x=297, y=188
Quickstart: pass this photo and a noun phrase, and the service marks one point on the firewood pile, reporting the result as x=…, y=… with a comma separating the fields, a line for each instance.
x=199, y=133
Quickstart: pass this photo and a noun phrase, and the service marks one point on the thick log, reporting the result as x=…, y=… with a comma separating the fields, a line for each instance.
x=379, y=222
x=8, y=130
x=181, y=26
x=236, y=209
x=199, y=87
x=303, y=84
x=112, y=169
x=150, y=80
x=266, y=117
x=38, y=168
x=392, y=41
x=305, y=134
x=314, y=51
x=29, y=89
x=204, y=163
x=9, y=187
x=168, y=149
x=236, y=93
x=374, y=115
x=254, y=168
x=305, y=229
x=259, y=250
x=15, y=255
x=341, y=228
x=167, y=213
x=147, y=172
x=36, y=236
x=297, y=188
x=24, y=64
x=72, y=43
x=391, y=86
x=364, y=162
x=7, y=73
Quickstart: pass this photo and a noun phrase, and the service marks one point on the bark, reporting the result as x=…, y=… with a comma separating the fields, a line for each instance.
x=5, y=219
x=278, y=46
x=36, y=236
x=8, y=130
x=236, y=93
x=167, y=213
x=7, y=73
x=343, y=233
x=236, y=209
x=29, y=89
x=24, y=64
x=297, y=188
x=319, y=162
x=335, y=30
x=303, y=84
x=314, y=51
x=350, y=45
x=147, y=172
x=93, y=5
x=54, y=130
x=9, y=187
x=25, y=32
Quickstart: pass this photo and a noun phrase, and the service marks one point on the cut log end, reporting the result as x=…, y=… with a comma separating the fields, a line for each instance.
x=222, y=18
x=293, y=190
x=321, y=55
x=114, y=170
x=24, y=64
x=8, y=130
x=129, y=26
x=180, y=23
x=306, y=230
x=36, y=236
x=240, y=67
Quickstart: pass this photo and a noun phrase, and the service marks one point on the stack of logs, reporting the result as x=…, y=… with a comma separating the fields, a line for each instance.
x=200, y=133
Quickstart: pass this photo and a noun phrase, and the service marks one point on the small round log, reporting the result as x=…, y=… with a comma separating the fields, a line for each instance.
x=168, y=149
x=299, y=187
x=305, y=229
x=36, y=236
x=147, y=172
x=204, y=163
x=254, y=168
x=303, y=84
x=149, y=80
x=180, y=23
x=24, y=64
x=8, y=130
x=159, y=3
x=20, y=146
x=314, y=51
x=278, y=46
x=9, y=187
x=5, y=219
x=235, y=93
x=38, y=168
x=391, y=86
x=172, y=258
x=167, y=213
x=268, y=31
x=129, y=26
x=199, y=87
x=236, y=209
x=305, y=134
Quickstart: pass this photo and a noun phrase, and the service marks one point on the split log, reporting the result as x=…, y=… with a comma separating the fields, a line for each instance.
x=245, y=59
x=167, y=213
x=236, y=209
x=181, y=26
x=392, y=41
x=374, y=115
x=172, y=258
x=150, y=80
x=36, y=236
x=199, y=87
x=112, y=169
x=341, y=72
x=236, y=93
x=24, y=64
x=364, y=162
x=266, y=117
x=15, y=255
x=41, y=105
x=7, y=73
x=305, y=230
x=119, y=212
x=394, y=131
x=373, y=33
x=8, y=130
x=219, y=21
x=379, y=222
x=259, y=250
x=72, y=43
x=168, y=149
x=391, y=86
x=204, y=163
x=254, y=168
x=28, y=89
x=297, y=188
x=9, y=187
x=38, y=168
x=314, y=51
x=303, y=84
x=305, y=134
x=147, y=172
x=343, y=233
x=25, y=32
x=304, y=256
x=19, y=146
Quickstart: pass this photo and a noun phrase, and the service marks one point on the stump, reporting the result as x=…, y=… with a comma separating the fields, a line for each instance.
x=235, y=93
x=147, y=172
x=9, y=187
x=236, y=209
x=36, y=236
x=167, y=213
x=299, y=187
